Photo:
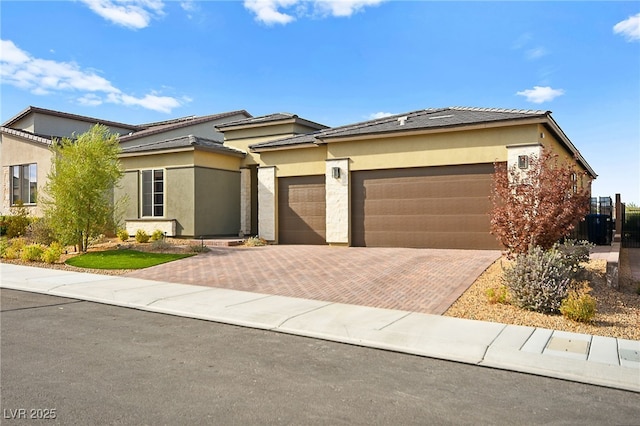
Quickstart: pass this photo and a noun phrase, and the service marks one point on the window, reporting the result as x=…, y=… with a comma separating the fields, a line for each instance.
x=153, y=192
x=24, y=183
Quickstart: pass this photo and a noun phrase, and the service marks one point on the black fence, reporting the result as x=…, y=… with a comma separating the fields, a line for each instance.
x=631, y=227
x=598, y=226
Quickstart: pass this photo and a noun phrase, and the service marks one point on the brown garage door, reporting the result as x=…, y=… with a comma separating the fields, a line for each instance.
x=436, y=207
x=301, y=210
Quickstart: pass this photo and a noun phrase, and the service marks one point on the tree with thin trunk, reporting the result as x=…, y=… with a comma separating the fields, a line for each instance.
x=539, y=205
x=78, y=200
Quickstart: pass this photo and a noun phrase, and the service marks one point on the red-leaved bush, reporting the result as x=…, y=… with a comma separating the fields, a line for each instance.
x=537, y=206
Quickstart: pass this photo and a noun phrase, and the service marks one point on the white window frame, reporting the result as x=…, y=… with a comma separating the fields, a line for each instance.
x=31, y=181
x=154, y=204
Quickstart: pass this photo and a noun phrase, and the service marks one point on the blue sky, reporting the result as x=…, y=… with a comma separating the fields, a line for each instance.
x=336, y=62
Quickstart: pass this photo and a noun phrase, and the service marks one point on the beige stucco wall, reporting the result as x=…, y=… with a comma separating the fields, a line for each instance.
x=16, y=151
x=297, y=162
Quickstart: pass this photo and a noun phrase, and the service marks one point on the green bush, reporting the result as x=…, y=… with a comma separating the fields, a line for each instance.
x=13, y=248
x=579, y=306
x=40, y=232
x=31, y=253
x=498, y=295
x=3, y=225
x=157, y=235
x=538, y=280
x=4, y=244
x=123, y=235
x=52, y=253
x=198, y=248
x=18, y=221
x=574, y=253
x=142, y=236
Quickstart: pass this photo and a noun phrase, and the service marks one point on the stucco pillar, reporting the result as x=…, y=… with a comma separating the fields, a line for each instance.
x=337, y=201
x=245, y=201
x=6, y=190
x=267, y=203
x=520, y=155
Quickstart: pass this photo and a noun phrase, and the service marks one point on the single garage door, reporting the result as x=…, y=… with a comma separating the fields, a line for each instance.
x=301, y=210
x=434, y=207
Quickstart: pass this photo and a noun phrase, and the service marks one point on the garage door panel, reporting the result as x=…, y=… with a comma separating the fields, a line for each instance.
x=301, y=210
x=440, y=207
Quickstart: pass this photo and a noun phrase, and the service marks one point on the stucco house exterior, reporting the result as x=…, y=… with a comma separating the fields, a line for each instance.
x=419, y=179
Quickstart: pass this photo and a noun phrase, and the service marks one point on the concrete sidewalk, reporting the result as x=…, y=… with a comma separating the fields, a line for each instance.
x=582, y=358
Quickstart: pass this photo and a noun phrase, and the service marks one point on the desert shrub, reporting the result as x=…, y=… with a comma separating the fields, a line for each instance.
x=142, y=236
x=14, y=247
x=498, y=295
x=579, y=306
x=198, y=248
x=255, y=242
x=3, y=225
x=157, y=235
x=574, y=253
x=40, y=232
x=538, y=280
x=31, y=253
x=52, y=253
x=123, y=235
x=4, y=244
x=160, y=245
x=18, y=221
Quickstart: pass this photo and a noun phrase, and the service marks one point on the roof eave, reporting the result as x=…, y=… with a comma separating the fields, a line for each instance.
x=283, y=147
x=564, y=139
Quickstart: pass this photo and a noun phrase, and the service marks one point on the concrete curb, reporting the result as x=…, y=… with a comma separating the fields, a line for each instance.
x=581, y=358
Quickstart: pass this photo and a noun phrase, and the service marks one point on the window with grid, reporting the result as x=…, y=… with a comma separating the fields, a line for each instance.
x=24, y=183
x=153, y=193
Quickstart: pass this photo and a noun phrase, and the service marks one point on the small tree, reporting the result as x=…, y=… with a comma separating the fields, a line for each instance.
x=537, y=206
x=78, y=195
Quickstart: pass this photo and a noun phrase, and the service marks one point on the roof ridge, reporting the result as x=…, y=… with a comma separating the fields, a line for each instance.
x=509, y=110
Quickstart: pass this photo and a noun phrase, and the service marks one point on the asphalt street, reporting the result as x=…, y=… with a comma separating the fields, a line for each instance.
x=86, y=363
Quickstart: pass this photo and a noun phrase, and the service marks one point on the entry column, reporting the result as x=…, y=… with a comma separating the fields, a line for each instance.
x=267, y=203
x=337, y=201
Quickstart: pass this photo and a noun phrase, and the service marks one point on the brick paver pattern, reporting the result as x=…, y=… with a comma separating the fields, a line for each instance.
x=417, y=280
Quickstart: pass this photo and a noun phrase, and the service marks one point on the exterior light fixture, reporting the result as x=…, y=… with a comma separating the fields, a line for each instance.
x=335, y=172
x=523, y=161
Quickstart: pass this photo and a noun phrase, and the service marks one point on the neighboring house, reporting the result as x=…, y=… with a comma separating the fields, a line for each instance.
x=420, y=179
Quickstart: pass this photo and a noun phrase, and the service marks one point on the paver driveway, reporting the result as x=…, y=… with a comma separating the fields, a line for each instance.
x=418, y=280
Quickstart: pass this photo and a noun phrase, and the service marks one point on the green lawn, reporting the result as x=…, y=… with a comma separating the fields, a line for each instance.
x=123, y=259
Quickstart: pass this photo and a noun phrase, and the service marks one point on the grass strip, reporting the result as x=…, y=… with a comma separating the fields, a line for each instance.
x=123, y=259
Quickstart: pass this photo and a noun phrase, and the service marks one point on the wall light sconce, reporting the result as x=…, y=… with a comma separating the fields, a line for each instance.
x=335, y=172
x=523, y=161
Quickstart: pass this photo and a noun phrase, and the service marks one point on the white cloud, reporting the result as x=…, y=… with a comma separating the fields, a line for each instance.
x=538, y=94
x=629, y=28
x=536, y=53
x=134, y=14
x=275, y=11
x=45, y=77
x=381, y=114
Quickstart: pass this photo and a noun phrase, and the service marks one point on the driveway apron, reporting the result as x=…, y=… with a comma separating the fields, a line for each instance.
x=417, y=280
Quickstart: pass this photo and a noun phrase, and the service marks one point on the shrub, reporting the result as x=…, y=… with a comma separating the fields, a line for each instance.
x=18, y=221
x=4, y=244
x=40, y=232
x=538, y=280
x=579, y=306
x=3, y=225
x=31, y=253
x=498, y=295
x=573, y=253
x=123, y=235
x=160, y=245
x=142, y=236
x=255, y=242
x=198, y=248
x=98, y=239
x=52, y=253
x=157, y=235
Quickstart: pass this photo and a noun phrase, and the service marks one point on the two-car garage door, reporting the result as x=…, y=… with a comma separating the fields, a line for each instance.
x=434, y=207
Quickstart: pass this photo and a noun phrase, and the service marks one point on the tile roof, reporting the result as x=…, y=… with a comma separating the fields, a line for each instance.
x=45, y=140
x=431, y=118
x=163, y=126
x=279, y=116
x=184, y=142
x=92, y=120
